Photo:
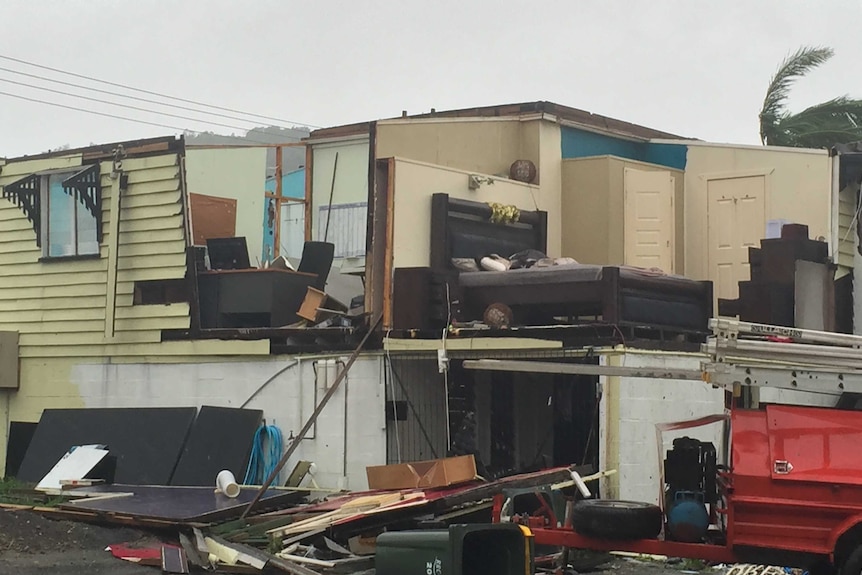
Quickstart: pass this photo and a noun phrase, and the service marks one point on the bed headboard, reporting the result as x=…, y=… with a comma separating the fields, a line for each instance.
x=463, y=229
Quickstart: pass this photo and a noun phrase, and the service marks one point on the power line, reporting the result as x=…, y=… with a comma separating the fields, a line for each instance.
x=114, y=116
x=178, y=99
x=36, y=100
x=121, y=95
x=139, y=109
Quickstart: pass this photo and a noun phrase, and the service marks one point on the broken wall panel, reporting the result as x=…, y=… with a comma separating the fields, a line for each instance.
x=146, y=441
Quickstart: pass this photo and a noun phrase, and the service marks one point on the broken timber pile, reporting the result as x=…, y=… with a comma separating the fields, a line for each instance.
x=333, y=536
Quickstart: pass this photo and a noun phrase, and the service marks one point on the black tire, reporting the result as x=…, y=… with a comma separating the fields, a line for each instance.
x=612, y=519
x=853, y=565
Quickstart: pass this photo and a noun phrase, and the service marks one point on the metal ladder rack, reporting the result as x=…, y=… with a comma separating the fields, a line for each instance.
x=740, y=354
x=761, y=355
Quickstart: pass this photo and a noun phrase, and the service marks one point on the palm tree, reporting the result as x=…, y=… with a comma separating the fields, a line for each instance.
x=821, y=126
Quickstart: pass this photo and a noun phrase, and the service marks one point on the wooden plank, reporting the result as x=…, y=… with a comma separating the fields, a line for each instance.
x=94, y=337
x=62, y=267
x=55, y=303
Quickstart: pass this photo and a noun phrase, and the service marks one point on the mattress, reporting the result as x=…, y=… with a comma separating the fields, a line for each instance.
x=533, y=276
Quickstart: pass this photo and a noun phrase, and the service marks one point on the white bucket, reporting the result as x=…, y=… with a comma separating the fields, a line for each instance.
x=226, y=483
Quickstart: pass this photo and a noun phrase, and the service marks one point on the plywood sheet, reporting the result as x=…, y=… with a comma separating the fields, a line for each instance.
x=180, y=504
x=212, y=217
x=221, y=438
x=146, y=441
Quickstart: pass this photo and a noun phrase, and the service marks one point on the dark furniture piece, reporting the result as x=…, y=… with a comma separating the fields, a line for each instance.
x=617, y=295
x=537, y=296
x=251, y=298
x=792, y=284
x=228, y=253
x=317, y=259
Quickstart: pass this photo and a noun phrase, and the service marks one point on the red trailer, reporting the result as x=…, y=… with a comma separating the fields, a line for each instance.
x=790, y=492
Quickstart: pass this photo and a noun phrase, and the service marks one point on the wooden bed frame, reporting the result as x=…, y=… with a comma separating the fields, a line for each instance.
x=618, y=296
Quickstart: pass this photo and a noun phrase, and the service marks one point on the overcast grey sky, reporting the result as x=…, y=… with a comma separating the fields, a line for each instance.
x=688, y=67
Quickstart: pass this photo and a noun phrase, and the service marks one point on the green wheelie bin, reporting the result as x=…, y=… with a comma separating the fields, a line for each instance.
x=473, y=549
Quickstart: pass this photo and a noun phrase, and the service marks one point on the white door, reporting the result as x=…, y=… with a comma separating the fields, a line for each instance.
x=292, y=231
x=735, y=221
x=649, y=219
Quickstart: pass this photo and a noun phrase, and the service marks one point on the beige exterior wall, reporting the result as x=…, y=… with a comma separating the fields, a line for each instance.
x=593, y=209
x=798, y=189
x=416, y=182
x=66, y=312
x=351, y=186
x=238, y=174
x=487, y=146
x=484, y=146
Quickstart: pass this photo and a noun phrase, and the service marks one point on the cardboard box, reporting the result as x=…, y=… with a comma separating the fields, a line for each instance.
x=422, y=474
x=317, y=306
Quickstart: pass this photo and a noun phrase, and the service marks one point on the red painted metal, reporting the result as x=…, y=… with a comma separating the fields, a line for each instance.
x=805, y=506
x=568, y=538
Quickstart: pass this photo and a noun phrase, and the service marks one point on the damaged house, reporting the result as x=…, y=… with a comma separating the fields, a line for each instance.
x=159, y=283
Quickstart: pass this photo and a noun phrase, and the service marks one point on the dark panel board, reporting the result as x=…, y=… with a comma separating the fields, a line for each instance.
x=146, y=441
x=181, y=504
x=20, y=435
x=221, y=438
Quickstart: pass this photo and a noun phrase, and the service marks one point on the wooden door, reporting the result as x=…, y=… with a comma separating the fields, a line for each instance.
x=649, y=219
x=735, y=221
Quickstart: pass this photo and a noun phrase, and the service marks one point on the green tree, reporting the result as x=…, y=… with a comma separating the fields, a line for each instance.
x=821, y=126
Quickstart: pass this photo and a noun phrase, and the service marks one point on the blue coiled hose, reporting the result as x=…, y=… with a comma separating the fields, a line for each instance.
x=266, y=451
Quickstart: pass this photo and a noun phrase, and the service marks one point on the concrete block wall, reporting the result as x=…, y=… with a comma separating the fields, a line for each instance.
x=630, y=410
x=349, y=434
